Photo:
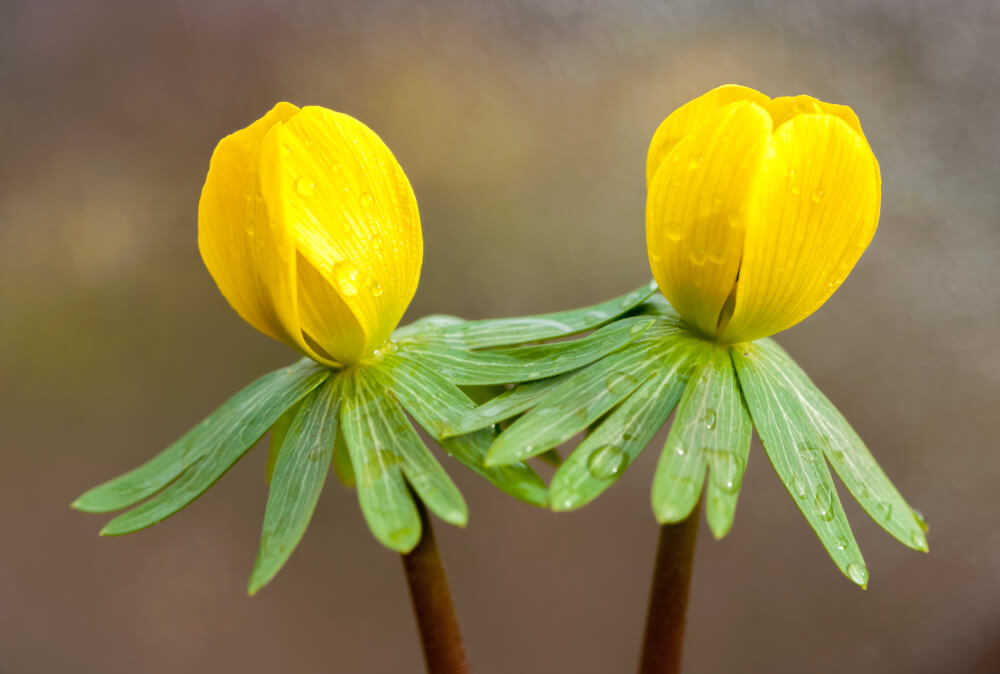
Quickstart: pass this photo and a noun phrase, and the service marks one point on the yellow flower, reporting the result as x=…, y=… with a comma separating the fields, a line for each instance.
x=310, y=228
x=758, y=209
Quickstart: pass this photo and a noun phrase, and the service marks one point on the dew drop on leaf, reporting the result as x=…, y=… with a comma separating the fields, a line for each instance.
x=606, y=462
x=857, y=572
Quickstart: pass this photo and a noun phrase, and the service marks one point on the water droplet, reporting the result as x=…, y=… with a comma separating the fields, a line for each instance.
x=606, y=462
x=884, y=510
x=655, y=256
x=918, y=540
x=696, y=162
x=366, y=200
x=809, y=453
x=375, y=288
x=676, y=182
x=857, y=572
x=708, y=418
x=698, y=257
x=799, y=486
x=347, y=278
x=717, y=257
x=735, y=220
x=376, y=240
x=837, y=456
x=840, y=542
x=794, y=189
x=305, y=186
x=717, y=201
x=638, y=328
x=674, y=231
x=727, y=470
x=817, y=196
x=921, y=521
x=824, y=502
x=620, y=383
x=680, y=450
x=285, y=150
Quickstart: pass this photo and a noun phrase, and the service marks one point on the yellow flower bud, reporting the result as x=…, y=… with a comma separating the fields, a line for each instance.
x=757, y=209
x=310, y=228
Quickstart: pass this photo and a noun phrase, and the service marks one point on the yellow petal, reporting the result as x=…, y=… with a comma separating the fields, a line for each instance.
x=334, y=185
x=687, y=118
x=812, y=213
x=251, y=262
x=694, y=222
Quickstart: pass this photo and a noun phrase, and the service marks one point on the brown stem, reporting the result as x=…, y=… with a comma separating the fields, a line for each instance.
x=668, y=597
x=440, y=636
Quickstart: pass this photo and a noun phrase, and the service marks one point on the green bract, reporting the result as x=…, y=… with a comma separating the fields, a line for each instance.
x=721, y=392
x=355, y=419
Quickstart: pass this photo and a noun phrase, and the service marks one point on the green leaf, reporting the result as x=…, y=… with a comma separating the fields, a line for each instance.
x=434, y=402
x=421, y=469
x=820, y=428
x=507, y=331
x=386, y=501
x=278, y=431
x=524, y=363
x=575, y=404
x=601, y=458
x=299, y=474
x=342, y=467
x=425, y=325
x=786, y=420
x=504, y=406
x=712, y=431
x=205, y=452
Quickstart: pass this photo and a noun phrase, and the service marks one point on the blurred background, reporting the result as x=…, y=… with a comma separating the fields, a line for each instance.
x=523, y=127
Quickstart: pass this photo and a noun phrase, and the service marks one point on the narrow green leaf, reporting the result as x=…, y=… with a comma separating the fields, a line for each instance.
x=386, y=501
x=504, y=406
x=278, y=432
x=204, y=453
x=507, y=331
x=421, y=469
x=711, y=431
x=603, y=456
x=425, y=325
x=575, y=404
x=434, y=402
x=525, y=363
x=342, y=467
x=299, y=474
x=822, y=427
x=793, y=444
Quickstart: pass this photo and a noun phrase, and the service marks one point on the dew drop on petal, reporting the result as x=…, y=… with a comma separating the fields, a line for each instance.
x=698, y=257
x=305, y=186
x=366, y=200
x=817, y=196
x=674, y=231
x=375, y=288
x=346, y=275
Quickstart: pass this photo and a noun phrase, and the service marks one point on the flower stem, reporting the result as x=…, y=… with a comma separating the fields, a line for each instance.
x=668, y=597
x=440, y=636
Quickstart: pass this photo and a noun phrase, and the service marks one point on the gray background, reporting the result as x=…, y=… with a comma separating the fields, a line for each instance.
x=523, y=127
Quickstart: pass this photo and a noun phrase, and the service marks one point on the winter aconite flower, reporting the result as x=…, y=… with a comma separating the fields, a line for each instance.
x=310, y=228
x=757, y=211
